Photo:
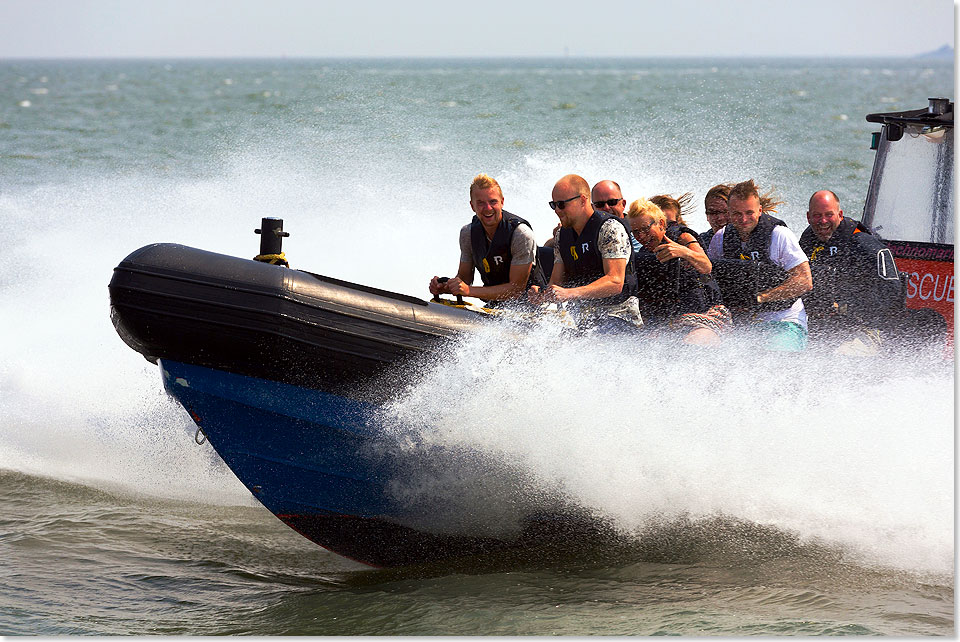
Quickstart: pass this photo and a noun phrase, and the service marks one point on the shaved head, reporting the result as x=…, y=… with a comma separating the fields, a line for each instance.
x=607, y=186
x=824, y=215
x=574, y=183
x=604, y=194
x=825, y=194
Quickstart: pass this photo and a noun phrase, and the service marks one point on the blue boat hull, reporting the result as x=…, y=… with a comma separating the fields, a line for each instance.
x=287, y=372
x=321, y=464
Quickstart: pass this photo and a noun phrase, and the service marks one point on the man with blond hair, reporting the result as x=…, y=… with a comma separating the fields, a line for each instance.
x=497, y=244
x=593, y=262
x=676, y=291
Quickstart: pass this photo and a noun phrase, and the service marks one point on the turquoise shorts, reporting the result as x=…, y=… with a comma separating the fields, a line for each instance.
x=783, y=336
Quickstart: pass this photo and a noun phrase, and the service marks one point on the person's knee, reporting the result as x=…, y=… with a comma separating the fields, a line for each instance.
x=786, y=336
x=702, y=337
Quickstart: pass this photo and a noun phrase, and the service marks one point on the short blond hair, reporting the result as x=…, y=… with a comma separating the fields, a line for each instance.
x=642, y=206
x=482, y=181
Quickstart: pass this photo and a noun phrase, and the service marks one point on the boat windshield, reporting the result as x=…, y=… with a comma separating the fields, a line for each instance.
x=912, y=187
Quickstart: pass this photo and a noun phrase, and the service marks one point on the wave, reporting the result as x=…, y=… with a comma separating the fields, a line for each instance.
x=643, y=436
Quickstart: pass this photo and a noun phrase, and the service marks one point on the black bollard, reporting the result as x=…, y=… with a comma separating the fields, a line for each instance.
x=271, y=241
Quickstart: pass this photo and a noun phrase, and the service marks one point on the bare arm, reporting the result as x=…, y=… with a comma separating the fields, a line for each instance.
x=465, y=272
x=559, y=274
x=688, y=249
x=519, y=275
x=609, y=284
x=798, y=281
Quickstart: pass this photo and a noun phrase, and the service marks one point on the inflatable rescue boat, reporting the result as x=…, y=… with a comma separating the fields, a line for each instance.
x=285, y=371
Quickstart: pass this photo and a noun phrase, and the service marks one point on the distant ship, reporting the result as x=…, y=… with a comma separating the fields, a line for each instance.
x=943, y=53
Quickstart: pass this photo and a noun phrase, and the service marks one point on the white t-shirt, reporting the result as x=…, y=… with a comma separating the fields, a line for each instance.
x=784, y=251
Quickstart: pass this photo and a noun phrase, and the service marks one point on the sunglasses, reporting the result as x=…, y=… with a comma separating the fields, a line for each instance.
x=559, y=205
x=610, y=202
x=715, y=212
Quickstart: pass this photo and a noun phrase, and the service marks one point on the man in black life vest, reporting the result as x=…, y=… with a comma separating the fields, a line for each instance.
x=607, y=197
x=593, y=262
x=856, y=283
x=676, y=292
x=754, y=235
x=498, y=244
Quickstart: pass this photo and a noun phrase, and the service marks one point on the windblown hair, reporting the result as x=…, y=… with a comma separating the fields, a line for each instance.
x=642, y=206
x=482, y=181
x=746, y=189
x=719, y=191
x=681, y=205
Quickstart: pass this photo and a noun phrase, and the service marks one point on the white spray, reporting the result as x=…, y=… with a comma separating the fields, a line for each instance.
x=627, y=432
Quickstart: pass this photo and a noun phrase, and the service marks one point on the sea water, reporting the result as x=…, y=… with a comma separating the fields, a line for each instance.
x=764, y=493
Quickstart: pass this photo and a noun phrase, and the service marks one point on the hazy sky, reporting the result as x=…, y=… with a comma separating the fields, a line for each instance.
x=303, y=28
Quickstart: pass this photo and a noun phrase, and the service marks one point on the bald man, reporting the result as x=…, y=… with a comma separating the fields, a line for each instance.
x=592, y=262
x=607, y=197
x=856, y=287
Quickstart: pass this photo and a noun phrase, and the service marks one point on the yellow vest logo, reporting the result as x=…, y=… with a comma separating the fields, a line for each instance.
x=744, y=257
x=486, y=266
x=573, y=253
x=816, y=251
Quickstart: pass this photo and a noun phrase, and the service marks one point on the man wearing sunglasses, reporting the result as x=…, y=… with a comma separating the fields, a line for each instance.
x=498, y=244
x=593, y=262
x=607, y=197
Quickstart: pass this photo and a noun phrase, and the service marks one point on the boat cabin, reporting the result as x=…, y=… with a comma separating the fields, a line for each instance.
x=910, y=202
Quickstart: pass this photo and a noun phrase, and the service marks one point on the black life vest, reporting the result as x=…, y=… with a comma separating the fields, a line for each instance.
x=845, y=271
x=746, y=269
x=492, y=257
x=839, y=246
x=582, y=262
x=705, y=238
x=666, y=290
x=756, y=247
